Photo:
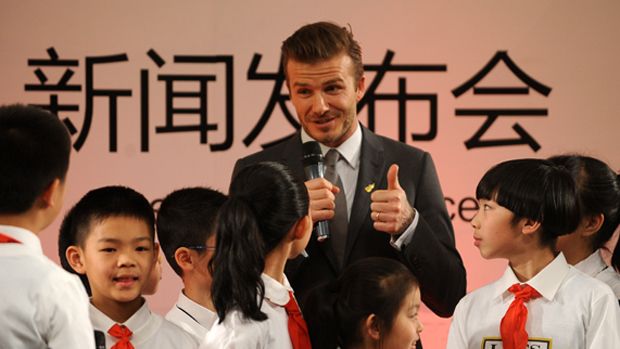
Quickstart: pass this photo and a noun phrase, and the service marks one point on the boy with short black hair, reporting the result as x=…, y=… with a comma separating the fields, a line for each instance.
x=112, y=229
x=186, y=231
x=42, y=305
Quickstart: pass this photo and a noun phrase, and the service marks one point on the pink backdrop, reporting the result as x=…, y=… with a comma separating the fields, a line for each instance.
x=568, y=46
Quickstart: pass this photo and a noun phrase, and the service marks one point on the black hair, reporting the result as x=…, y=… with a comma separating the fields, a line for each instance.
x=186, y=218
x=34, y=151
x=598, y=192
x=321, y=41
x=94, y=207
x=265, y=201
x=373, y=285
x=535, y=189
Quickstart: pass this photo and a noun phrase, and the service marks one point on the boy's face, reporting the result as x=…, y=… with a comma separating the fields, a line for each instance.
x=117, y=258
x=495, y=233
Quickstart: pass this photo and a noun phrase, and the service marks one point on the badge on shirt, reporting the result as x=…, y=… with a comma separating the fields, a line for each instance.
x=532, y=343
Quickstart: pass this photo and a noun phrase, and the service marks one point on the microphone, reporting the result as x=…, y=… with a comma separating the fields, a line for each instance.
x=315, y=168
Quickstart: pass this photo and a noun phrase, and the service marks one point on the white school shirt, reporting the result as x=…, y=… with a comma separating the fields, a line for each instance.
x=191, y=317
x=595, y=266
x=150, y=331
x=237, y=332
x=575, y=311
x=41, y=305
x=349, y=169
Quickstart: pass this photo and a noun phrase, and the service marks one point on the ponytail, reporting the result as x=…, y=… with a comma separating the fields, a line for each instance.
x=238, y=262
x=265, y=202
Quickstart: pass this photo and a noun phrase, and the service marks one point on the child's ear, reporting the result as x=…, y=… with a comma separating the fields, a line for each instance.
x=592, y=224
x=302, y=227
x=530, y=226
x=183, y=257
x=371, y=327
x=51, y=194
x=75, y=259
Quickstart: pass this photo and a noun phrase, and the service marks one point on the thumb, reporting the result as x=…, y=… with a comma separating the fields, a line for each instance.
x=392, y=178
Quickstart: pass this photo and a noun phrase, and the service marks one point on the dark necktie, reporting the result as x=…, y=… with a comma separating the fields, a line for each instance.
x=338, y=225
x=512, y=327
x=297, y=329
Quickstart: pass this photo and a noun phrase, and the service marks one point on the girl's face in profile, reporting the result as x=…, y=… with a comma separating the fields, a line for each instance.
x=406, y=328
x=495, y=233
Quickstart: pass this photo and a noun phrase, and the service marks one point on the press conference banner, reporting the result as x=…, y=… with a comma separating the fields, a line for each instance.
x=160, y=95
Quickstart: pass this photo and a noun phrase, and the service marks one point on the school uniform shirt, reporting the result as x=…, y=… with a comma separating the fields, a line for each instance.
x=191, y=317
x=150, y=331
x=595, y=266
x=575, y=311
x=240, y=333
x=41, y=305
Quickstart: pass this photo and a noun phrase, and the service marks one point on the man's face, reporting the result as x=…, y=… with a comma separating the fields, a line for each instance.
x=325, y=95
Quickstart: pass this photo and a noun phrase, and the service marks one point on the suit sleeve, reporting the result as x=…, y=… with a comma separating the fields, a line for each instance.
x=431, y=254
x=240, y=164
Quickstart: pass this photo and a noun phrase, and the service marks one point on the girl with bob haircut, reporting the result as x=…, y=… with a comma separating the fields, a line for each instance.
x=264, y=222
x=373, y=304
x=524, y=205
x=598, y=193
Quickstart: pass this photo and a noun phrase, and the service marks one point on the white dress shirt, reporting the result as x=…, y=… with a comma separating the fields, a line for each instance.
x=150, y=331
x=575, y=311
x=595, y=266
x=41, y=305
x=237, y=332
x=348, y=170
x=191, y=317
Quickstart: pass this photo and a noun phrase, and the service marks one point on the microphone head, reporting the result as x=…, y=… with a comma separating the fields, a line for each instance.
x=312, y=153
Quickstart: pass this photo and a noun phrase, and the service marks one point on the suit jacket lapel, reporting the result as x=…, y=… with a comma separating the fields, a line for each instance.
x=292, y=156
x=371, y=171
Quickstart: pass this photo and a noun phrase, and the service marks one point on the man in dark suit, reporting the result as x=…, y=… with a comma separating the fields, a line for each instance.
x=393, y=204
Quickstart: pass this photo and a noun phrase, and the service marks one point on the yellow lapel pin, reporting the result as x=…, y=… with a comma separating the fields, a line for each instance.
x=369, y=187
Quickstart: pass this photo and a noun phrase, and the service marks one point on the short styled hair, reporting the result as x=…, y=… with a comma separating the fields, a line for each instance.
x=320, y=41
x=96, y=206
x=186, y=218
x=34, y=151
x=535, y=189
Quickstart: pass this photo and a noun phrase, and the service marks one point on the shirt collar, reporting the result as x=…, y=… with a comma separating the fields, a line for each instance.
x=24, y=236
x=276, y=292
x=546, y=282
x=198, y=312
x=349, y=150
x=592, y=265
x=135, y=323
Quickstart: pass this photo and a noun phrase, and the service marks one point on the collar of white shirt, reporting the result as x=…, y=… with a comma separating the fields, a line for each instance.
x=592, y=265
x=349, y=150
x=546, y=282
x=135, y=323
x=202, y=315
x=24, y=236
x=275, y=292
